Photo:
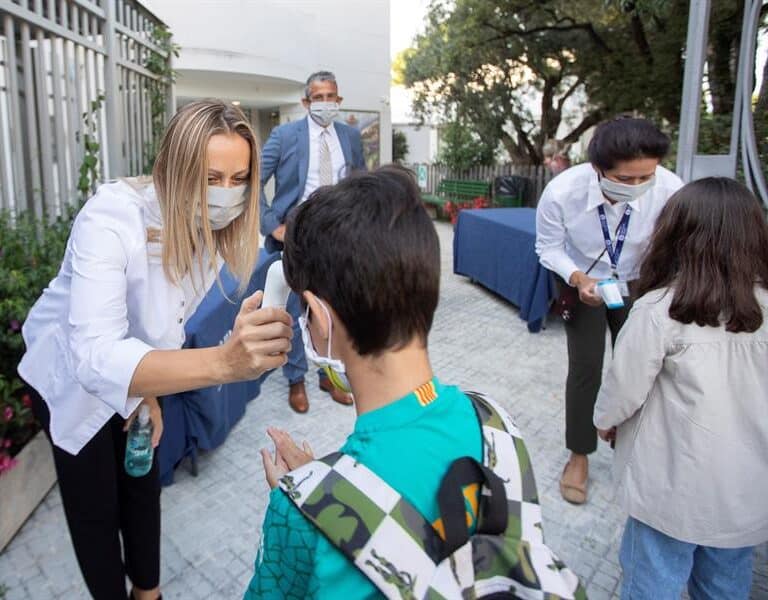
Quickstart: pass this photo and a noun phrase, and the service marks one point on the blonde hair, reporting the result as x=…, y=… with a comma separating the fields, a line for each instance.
x=180, y=176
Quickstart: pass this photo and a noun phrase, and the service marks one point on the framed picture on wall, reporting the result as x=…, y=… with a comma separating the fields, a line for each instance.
x=367, y=122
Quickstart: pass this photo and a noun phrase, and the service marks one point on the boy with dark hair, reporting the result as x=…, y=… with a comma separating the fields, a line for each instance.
x=365, y=259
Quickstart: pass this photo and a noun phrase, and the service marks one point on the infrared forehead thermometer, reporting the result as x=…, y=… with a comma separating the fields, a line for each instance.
x=276, y=289
x=610, y=292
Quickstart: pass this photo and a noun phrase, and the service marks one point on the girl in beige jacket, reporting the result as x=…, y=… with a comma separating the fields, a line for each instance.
x=686, y=399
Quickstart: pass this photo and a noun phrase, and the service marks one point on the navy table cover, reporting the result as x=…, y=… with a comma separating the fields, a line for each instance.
x=496, y=248
x=201, y=419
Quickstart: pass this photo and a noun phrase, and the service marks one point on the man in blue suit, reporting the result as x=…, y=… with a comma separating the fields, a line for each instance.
x=302, y=156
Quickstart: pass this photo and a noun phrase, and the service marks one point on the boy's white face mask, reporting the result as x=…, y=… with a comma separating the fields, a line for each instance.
x=333, y=367
x=225, y=204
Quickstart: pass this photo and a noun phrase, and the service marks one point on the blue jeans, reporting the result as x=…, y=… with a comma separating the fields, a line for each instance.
x=296, y=367
x=657, y=567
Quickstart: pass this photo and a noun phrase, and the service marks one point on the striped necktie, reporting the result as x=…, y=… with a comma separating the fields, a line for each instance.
x=326, y=167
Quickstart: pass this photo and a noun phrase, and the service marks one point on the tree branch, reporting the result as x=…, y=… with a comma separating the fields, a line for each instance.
x=524, y=140
x=586, y=27
x=641, y=41
x=568, y=93
x=590, y=120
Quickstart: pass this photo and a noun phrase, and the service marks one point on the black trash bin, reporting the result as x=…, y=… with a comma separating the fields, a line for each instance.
x=511, y=190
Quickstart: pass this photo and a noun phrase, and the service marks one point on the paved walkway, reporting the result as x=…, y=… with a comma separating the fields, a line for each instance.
x=211, y=523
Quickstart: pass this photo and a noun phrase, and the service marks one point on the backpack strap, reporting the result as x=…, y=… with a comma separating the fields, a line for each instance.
x=539, y=572
x=504, y=451
x=369, y=522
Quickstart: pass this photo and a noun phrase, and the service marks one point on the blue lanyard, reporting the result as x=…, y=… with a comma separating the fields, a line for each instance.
x=621, y=235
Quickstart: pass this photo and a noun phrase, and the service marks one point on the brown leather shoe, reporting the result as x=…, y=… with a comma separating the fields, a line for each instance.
x=337, y=395
x=297, y=397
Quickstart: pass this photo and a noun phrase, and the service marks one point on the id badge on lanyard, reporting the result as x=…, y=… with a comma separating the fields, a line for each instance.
x=614, y=251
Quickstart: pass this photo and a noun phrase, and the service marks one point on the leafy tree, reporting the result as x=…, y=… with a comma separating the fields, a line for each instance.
x=461, y=148
x=398, y=66
x=761, y=120
x=399, y=146
x=507, y=68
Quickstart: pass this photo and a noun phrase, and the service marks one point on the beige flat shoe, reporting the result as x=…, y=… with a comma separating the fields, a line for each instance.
x=572, y=492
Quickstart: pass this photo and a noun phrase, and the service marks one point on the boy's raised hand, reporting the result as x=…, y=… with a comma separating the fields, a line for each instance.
x=288, y=450
x=274, y=468
x=288, y=456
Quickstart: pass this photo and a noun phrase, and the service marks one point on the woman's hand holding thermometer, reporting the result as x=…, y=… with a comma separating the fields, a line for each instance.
x=261, y=337
x=276, y=289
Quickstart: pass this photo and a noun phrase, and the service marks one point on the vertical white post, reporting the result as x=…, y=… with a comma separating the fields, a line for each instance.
x=695, y=55
x=116, y=166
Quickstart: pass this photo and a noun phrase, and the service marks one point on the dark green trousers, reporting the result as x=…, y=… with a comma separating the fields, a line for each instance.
x=586, y=347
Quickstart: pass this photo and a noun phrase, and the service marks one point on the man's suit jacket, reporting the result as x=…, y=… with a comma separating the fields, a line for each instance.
x=286, y=157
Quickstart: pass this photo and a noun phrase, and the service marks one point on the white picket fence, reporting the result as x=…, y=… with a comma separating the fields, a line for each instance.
x=58, y=58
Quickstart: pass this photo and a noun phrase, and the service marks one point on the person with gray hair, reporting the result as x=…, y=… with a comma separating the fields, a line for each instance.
x=318, y=77
x=303, y=155
x=556, y=157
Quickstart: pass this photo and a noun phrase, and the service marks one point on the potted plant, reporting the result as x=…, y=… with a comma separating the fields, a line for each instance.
x=452, y=209
x=30, y=256
x=17, y=425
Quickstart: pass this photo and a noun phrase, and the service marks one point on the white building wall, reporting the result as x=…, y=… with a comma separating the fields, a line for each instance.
x=260, y=52
x=422, y=142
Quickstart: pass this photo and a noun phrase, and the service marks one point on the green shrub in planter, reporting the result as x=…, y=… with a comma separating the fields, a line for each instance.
x=30, y=256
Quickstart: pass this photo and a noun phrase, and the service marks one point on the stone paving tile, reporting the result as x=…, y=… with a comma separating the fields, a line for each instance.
x=211, y=523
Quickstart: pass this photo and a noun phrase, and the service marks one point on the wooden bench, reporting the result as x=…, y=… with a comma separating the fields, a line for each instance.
x=455, y=190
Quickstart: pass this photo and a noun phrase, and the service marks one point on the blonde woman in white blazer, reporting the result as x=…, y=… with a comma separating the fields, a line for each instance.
x=106, y=334
x=686, y=399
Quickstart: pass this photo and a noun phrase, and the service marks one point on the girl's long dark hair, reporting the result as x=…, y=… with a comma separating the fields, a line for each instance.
x=711, y=246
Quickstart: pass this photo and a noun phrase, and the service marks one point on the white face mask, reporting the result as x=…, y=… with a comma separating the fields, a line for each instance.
x=334, y=368
x=623, y=192
x=225, y=204
x=323, y=113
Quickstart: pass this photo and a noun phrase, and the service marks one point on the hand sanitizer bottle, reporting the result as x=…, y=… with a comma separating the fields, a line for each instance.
x=138, y=447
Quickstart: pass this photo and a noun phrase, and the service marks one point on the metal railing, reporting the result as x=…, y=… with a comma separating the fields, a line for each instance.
x=690, y=164
x=71, y=71
x=538, y=176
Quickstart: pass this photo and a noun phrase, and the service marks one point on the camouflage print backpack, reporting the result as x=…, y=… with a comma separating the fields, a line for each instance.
x=406, y=557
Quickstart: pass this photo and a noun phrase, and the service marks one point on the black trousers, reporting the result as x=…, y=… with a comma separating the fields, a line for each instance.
x=101, y=501
x=585, y=333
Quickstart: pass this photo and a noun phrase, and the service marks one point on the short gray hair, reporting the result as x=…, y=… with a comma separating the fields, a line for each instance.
x=553, y=148
x=319, y=76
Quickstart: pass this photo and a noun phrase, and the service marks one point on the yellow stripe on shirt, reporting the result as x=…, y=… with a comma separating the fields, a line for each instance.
x=426, y=394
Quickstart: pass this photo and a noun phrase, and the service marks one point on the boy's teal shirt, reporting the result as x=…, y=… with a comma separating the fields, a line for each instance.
x=410, y=444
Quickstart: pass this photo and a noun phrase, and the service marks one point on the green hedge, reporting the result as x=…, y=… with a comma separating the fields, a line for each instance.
x=30, y=256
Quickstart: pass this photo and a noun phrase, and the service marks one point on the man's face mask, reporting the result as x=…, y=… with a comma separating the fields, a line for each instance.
x=323, y=113
x=624, y=192
x=225, y=204
x=333, y=367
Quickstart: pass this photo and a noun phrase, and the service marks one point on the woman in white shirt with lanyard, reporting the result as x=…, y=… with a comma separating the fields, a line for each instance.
x=593, y=223
x=106, y=334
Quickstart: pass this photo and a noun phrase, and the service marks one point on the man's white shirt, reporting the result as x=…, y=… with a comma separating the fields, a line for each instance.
x=337, y=156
